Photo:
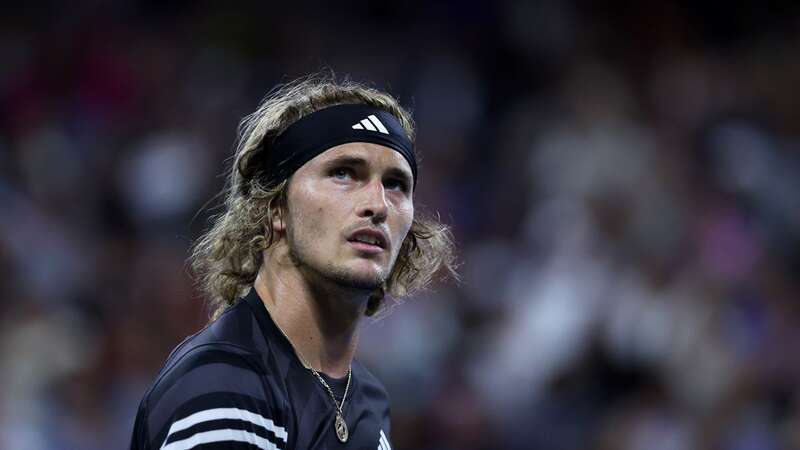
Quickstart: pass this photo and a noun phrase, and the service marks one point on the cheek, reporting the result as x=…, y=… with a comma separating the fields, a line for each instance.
x=314, y=220
x=405, y=217
x=307, y=206
x=319, y=217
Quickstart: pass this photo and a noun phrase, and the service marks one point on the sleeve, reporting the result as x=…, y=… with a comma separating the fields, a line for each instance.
x=212, y=399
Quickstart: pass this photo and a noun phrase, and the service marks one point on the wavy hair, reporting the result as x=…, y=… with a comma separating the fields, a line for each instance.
x=226, y=259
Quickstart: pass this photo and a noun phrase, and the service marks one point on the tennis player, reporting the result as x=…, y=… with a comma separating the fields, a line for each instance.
x=318, y=225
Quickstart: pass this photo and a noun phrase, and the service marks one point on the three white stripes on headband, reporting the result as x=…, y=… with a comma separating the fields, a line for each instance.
x=371, y=123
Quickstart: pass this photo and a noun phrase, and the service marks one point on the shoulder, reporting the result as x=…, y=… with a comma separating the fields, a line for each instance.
x=374, y=393
x=369, y=381
x=214, y=387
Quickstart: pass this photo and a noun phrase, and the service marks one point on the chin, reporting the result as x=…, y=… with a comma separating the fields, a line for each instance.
x=367, y=280
x=359, y=274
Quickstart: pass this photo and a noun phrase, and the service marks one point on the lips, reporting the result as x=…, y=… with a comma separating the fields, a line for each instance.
x=368, y=238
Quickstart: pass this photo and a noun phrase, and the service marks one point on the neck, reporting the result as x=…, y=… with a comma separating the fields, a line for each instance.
x=319, y=319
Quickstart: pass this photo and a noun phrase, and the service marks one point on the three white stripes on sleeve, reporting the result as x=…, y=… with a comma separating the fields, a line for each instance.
x=224, y=434
x=228, y=434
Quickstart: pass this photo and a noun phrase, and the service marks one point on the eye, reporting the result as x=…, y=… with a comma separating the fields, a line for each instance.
x=396, y=184
x=342, y=173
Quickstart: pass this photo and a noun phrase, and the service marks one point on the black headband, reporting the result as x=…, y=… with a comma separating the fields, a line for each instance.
x=332, y=126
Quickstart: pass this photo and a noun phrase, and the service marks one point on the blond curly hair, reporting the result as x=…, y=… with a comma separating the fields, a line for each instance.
x=226, y=259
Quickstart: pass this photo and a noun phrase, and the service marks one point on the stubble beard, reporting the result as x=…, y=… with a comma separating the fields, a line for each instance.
x=338, y=276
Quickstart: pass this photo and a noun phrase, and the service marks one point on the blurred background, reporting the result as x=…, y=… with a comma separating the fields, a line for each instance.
x=623, y=182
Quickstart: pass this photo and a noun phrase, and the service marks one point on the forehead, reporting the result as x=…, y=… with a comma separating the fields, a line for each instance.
x=378, y=156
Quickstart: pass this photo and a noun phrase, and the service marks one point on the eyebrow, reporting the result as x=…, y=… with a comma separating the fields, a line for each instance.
x=394, y=171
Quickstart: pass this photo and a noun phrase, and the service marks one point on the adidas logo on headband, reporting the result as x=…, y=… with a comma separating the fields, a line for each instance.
x=371, y=123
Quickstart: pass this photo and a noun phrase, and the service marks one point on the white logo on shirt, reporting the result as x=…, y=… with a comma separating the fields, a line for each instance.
x=383, y=443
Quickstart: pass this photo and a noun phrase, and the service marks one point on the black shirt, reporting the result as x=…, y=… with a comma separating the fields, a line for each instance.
x=237, y=384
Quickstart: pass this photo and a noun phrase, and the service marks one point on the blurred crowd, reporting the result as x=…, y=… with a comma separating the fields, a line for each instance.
x=623, y=184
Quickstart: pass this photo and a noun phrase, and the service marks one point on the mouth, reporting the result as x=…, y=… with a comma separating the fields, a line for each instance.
x=368, y=240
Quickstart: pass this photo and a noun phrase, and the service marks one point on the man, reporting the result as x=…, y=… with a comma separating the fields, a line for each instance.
x=319, y=224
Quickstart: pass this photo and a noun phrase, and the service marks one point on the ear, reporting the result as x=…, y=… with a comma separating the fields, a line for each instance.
x=278, y=224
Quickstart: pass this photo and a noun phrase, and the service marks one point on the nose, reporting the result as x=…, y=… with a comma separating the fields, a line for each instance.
x=373, y=204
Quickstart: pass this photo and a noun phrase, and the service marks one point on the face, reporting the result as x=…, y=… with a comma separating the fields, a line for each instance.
x=349, y=210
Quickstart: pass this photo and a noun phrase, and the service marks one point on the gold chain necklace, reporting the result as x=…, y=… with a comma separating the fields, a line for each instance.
x=340, y=425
